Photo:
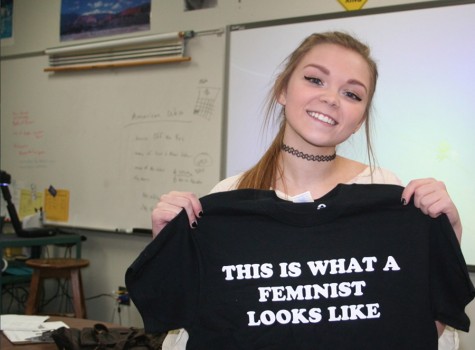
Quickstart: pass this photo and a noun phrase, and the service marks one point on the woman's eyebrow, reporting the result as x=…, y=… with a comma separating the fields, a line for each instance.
x=357, y=82
x=319, y=67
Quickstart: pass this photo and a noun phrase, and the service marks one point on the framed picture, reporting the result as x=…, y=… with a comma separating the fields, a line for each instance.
x=90, y=19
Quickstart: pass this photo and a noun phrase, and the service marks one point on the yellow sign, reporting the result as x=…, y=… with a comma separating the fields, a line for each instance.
x=57, y=207
x=30, y=202
x=352, y=5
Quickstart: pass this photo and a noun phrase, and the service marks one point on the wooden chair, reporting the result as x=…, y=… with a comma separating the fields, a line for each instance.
x=65, y=268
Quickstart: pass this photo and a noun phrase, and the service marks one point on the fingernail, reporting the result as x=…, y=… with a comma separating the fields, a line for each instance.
x=200, y=214
x=403, y=201
x=194, y=224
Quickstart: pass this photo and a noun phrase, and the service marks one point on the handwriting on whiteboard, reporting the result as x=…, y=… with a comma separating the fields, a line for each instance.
x=168, y=150
x=29, y=144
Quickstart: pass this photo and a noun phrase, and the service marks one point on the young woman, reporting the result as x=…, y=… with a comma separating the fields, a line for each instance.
x=323, y=96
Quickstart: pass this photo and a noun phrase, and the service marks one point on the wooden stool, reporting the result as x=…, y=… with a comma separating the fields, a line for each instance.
x=57, y=268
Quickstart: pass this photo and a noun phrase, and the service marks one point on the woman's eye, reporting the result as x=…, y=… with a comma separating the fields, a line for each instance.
x=313, y=80
x=353, y=96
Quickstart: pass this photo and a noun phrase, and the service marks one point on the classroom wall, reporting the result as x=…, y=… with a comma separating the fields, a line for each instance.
x=42, y=18
x=36, y=27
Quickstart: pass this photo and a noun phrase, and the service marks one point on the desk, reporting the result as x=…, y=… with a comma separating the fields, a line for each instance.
x=71, y=322
x=12, y=240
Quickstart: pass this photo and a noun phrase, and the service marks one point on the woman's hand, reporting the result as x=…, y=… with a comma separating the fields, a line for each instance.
x=170, y=205
x=432, y=198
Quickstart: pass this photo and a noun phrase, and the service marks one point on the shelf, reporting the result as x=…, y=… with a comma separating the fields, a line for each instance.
x=119, y=64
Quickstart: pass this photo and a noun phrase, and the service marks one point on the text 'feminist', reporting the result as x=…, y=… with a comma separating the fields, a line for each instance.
x=305, y=292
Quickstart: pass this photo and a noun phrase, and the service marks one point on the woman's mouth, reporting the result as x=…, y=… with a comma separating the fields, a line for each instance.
x=322, y=117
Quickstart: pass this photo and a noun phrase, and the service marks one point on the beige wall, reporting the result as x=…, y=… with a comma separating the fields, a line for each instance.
x=36, y=27
x=467, y=340
x=36, y=23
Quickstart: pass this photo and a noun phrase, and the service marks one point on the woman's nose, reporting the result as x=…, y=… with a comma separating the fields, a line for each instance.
x=330, y=98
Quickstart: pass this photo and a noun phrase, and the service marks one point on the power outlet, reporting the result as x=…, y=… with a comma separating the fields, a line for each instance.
x=123, y=296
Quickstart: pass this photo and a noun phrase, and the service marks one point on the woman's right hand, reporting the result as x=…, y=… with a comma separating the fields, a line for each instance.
x=170, y=205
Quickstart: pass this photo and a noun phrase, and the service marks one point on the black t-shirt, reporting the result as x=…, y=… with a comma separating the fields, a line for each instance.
x=352, y=270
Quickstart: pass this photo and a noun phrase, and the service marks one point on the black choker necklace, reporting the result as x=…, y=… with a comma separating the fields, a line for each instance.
x=315, y=158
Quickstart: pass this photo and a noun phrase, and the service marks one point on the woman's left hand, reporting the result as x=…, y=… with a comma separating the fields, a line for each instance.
x=432, y=198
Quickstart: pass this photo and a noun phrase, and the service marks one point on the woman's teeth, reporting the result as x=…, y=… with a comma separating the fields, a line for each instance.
x=322, y=118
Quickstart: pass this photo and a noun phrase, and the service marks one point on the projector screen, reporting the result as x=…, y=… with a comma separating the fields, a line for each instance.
x=424, y=107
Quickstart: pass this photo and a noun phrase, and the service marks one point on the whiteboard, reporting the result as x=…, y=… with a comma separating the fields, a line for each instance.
x=116, y=139
x=424, y=105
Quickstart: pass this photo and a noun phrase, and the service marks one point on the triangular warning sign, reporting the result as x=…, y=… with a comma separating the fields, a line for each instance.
x=351, y=5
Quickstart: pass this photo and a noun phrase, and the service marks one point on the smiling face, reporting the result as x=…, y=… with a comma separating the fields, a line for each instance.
x=326, y=97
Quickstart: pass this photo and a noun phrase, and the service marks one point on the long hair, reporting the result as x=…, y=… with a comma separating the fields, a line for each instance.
x=264, y=174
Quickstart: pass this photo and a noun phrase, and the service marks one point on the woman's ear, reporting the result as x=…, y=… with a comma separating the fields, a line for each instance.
x=360, y=124
x=282, y=98
x=357, y=128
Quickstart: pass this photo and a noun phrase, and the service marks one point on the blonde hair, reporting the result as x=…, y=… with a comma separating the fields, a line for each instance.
x=263, y=175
